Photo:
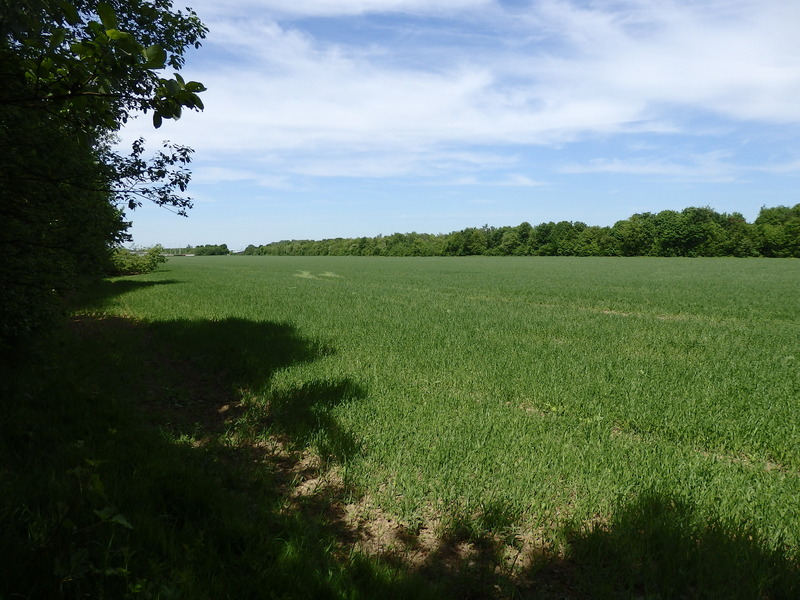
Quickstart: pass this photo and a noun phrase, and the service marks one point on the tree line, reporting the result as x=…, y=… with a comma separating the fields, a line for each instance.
x=692, y=232
x=201, y=250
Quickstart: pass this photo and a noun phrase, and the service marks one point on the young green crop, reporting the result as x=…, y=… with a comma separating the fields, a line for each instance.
x=529, y=393
x=474, y=361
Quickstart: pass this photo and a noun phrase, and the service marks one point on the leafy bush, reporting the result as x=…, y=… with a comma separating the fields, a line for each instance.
x=211, y=250
x=126, y=262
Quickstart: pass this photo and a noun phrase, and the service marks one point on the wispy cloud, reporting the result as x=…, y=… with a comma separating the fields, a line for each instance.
x=335, y=8
x=511, y=180
x=213, y=175
x=786, y=168
x=708, y=167
x=737, y=59
x=304, y=95
x=614, y=67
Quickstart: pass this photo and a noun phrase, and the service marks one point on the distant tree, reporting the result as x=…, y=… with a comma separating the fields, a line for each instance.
x=211, y=250
x=525, y=231
x=704, y=234
x=595, y=241
x=474, y=241
x=564, y=236
x=454, y=246
x=510, y=242
x=540, y=238
x=695, y=231
x=636, y=236
x=670, y=237
x=740, y=236
x=778, y=231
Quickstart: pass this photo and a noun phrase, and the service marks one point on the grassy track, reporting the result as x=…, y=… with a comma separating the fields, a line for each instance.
x=636, y=420
x=530, y=390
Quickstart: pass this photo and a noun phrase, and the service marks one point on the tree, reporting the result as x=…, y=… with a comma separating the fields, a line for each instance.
x=510, y=242
x=739, y=236
x=595, y=241
x=704, y=234
x=72, y=72
x=636, y=236
x=778, y=231
x=211, y=250
x=127, y=262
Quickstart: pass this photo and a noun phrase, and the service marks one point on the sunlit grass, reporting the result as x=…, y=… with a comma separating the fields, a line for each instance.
x=529, y=392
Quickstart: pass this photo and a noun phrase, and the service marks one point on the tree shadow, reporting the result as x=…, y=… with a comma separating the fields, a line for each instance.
x=144, y=466
x=179, y=426
x=216, y=375
x=97, y=296
x=239, y=353
x=655, y=546
x=659, y=546
x=304, y=415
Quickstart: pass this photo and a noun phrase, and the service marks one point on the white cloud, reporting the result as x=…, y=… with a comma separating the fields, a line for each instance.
x=737, y=59
x=553, y=74
x=708, y=167
x=211, y=175
x=334, y=8
x=788, y=168
x=511, y=180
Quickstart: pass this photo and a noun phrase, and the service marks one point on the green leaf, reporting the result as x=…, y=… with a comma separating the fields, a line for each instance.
x=45, y=68
x=97, y=29
x=120, y=519
x=71, y=13
x=157, y=120
x=155, y=57
x=173, y=87
x=106, y=512
x=109, y=513
x=107, y=15
x=58, y=37
x=124, y=40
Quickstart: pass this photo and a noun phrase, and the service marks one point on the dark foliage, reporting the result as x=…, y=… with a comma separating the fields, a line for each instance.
x=71, y=73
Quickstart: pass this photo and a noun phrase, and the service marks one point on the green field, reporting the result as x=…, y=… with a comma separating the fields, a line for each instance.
x=639, y=415
x=539, y=388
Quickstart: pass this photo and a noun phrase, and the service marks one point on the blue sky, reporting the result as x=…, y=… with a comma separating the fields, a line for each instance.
x=349, y=118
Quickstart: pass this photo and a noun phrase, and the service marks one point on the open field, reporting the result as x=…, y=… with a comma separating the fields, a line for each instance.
x=638, y=415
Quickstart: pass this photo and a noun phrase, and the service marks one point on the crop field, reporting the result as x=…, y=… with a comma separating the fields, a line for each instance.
x=536, y=399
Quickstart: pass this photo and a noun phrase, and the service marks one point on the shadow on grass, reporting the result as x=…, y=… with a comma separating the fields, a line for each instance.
x=655, y=546
x=155, y=460
x=219, y=373
x=658, y=546
x=97, y=295
x=135, y=466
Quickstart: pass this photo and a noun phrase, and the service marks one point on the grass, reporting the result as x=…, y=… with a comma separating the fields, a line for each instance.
x=564, y=427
